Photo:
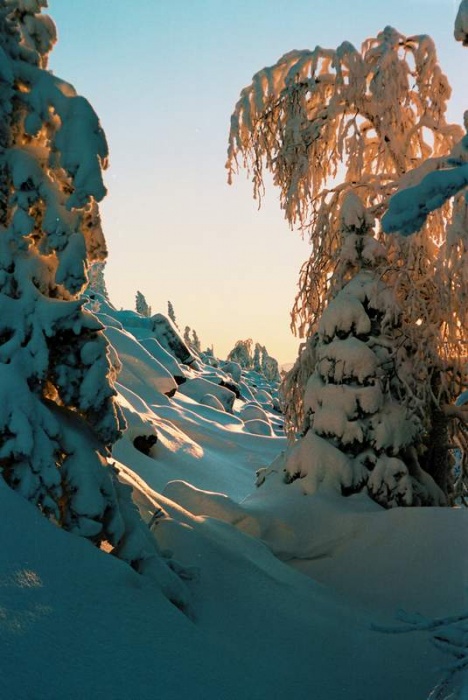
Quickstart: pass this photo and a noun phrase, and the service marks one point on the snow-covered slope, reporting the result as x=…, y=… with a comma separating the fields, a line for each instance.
x=288, y=591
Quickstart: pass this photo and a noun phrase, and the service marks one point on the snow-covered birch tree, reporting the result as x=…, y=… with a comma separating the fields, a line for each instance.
x=242, y=353
x=58, y=416
x=326, y=123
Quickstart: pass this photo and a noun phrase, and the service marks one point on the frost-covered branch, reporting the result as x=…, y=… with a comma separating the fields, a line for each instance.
x=409, y=208
x=324, y=122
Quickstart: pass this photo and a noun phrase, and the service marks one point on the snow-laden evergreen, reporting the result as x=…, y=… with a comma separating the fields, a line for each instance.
x=171, y=312
x=141, y=305
x=96, y=281
x=58, y=416
x=364, y=423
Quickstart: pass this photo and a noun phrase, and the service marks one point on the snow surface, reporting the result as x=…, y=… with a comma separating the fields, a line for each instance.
x=288, y=591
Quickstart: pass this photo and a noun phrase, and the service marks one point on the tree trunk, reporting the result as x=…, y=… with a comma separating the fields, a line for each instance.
x=436, y=460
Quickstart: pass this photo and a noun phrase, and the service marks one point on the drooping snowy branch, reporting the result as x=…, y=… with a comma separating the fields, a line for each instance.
x=409, y=208
x=315, y=111
x=327, y=121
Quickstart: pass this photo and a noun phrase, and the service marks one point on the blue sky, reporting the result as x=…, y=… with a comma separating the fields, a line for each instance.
x=164, y=76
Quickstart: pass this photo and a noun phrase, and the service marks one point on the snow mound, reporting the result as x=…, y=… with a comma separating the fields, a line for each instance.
x=332, y=569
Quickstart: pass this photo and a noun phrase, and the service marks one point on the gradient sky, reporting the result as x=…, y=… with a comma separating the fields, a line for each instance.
x=164, y=76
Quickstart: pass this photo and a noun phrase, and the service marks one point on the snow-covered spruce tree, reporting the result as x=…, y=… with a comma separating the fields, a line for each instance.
x=97, y=281
x=141, y=305
x=195, y=342
x=171, y=313
x=363, y=420
x=58, y=417
x=257, y=358
x=326, y=122
x=269, y=366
